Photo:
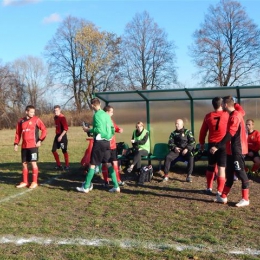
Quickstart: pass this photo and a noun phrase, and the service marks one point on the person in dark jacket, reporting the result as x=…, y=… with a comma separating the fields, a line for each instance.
x=181, y=143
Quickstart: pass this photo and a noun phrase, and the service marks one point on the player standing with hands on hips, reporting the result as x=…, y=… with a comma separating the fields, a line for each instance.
x=28, y=129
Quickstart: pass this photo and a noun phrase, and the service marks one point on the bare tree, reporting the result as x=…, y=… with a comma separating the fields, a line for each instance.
x=34, y=78
x=149, y=58
x=99, y=50
x=11, y=97
x=65, y=62
x=227, y=46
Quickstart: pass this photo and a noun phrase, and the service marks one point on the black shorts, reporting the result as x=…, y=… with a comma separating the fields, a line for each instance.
x=29, y=154
x=101, y=152
x=235, y=163
x=63, y=144
x=219, y=157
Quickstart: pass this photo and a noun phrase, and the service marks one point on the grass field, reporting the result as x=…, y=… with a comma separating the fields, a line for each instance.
x=173, y=220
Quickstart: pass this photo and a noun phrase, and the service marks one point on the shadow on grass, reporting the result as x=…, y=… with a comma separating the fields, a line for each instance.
x=174, y=193
x=11, y=173
x=164, y=192
x=69, y=180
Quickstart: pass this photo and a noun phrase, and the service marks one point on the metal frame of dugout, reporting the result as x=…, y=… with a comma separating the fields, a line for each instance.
x=191, y=94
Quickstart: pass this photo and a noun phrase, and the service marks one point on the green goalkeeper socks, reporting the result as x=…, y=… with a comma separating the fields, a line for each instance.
x=112, y=175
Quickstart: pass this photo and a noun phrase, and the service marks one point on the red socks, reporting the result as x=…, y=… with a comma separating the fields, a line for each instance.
x=25, y=175
x=66, y=158
x=225, y=192
x=245, y=194
x=57, y=158
x=35, y=172
x=115, y=166
x=221, y=183
x=105, y=172
x=210, y=179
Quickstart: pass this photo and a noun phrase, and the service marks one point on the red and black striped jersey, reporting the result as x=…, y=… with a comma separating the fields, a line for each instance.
x=28, y=130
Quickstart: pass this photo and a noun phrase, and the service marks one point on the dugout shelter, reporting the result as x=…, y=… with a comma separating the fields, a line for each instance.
x=170, y=104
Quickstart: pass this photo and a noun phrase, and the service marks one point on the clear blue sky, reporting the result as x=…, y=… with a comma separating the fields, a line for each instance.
x=27, y=25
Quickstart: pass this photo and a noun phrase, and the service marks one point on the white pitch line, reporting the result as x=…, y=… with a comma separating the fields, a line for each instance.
x=10, y=239
x=28, y=190
x=15, y=196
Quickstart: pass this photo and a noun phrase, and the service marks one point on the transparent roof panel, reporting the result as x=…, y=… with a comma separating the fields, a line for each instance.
x=214, y=92
x=252, y=92
x=124, y=96
x=157, y=95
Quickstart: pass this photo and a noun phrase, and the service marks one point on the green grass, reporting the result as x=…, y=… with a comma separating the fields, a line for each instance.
x=149, y=221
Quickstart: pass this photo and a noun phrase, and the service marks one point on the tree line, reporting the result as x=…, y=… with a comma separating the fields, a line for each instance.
x=80, y=60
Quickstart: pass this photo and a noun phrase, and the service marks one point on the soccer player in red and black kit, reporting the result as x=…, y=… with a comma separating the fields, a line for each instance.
x=28, y=129
x=253, y=140
x=60, y=140
x=235, y=141
x=215, y=125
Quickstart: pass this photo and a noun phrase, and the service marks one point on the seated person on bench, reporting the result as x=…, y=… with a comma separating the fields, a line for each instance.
x=253, y=140
x=141, y=146
x=181, y=143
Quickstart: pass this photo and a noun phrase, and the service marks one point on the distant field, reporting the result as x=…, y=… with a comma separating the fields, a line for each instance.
x=173, y=220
